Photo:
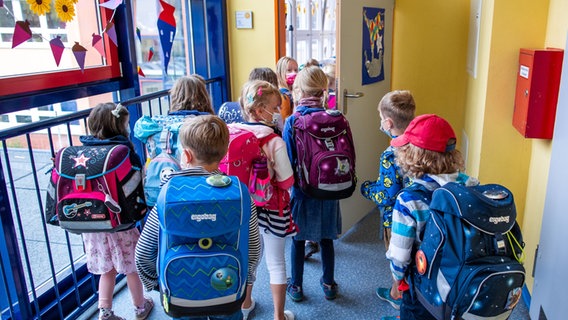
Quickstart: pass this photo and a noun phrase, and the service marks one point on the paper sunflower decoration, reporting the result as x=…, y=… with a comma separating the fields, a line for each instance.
x=39, y=7
x=65, y=10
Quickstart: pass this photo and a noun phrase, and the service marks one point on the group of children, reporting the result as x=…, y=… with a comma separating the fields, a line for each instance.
x=422, y=152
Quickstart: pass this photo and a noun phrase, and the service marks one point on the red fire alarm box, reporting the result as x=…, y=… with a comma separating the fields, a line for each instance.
x=536, y=97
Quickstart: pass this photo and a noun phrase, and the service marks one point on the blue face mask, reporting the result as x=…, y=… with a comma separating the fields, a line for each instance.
x=385, y=131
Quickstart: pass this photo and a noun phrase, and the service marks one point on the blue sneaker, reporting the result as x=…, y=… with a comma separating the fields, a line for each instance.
x=294, y=292
x=330, y=290
x=384, y=294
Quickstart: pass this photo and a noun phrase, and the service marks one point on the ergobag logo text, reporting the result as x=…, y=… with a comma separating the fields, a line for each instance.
x=325, y=152
x=203, y=245
x=468, y=266
x=95, y=189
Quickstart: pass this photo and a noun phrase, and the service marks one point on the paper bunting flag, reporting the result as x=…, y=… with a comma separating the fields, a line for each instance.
x=80, y=52
x=111, y=32
x=112, y=4
x=57, y=48
x=22, y=33
x=140, y=72
x=167, y=30
x=150, y=53
x=98, y=44
x=137, y=33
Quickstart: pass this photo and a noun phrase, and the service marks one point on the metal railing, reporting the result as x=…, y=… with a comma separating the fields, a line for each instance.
x=42, y=270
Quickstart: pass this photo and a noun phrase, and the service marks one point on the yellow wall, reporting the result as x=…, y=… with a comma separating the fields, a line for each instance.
x=429, y=56
x=556, y=28
x=250, y=48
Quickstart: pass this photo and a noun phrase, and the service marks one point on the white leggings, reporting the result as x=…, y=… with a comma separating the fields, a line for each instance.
x=275, y=256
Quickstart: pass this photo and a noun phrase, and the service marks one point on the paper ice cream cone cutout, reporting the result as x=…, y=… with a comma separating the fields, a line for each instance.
x=98, y=44
x=57, y=48
x=111, y=32
x=22, y=33
x=79, y=52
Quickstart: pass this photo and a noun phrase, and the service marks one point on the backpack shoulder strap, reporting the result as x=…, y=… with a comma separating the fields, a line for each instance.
x=266, y=139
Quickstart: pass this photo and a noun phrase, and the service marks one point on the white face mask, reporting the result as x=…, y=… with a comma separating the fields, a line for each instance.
x=277, y=120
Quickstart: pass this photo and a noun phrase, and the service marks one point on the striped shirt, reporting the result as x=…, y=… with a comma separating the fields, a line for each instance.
x=147, y=248
x=410, y=214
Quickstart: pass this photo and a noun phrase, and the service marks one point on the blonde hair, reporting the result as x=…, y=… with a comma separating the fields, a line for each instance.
x=190, y=93
x=310, y=82
x=329, y=70
x=281, y=69
x=207, y=136
x=107, y=120
x=399, y=106
x=415, y=161
x=256, y=94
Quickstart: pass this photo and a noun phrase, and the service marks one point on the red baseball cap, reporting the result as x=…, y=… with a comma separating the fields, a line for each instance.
x=427, y=131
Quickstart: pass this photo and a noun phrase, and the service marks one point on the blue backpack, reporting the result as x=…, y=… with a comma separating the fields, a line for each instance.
x=203, y=245
x=469, y=264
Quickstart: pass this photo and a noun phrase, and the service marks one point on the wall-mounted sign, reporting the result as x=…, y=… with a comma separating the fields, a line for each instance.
x=244, y=19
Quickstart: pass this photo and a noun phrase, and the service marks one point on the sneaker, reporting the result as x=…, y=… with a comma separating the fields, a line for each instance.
x=110, y=316
x=313, y=247
x=384, y=294
x=288, y=315
x=247, y=311
x=294, y=292
x=391, y=318
x=143, y=313
x=330, y=290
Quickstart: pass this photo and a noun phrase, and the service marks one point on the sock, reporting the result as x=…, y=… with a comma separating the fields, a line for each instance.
x=105, y=312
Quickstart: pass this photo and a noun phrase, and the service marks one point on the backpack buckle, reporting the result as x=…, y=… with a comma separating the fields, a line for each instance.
x=329, y=144
x=80, y=181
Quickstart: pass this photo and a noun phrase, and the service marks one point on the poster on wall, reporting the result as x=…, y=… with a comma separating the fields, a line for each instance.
x=373, y=49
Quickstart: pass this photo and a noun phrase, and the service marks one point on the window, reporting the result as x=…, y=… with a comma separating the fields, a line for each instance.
x=31, y=61
x=310, y=30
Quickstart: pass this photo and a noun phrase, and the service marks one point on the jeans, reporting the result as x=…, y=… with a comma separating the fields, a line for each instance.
x=412, y=309
x=327, y=261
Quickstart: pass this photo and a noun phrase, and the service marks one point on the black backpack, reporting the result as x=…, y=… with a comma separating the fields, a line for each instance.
x=469, y=264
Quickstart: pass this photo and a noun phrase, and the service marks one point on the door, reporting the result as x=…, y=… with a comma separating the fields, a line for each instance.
x=550, y=266
x=359, y=102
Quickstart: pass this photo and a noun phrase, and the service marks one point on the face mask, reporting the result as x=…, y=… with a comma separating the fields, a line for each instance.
x=276, y=119
x=385, y=131
x=290, y=77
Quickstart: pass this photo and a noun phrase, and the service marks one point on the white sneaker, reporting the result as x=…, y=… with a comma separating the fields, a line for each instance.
x=288, y=315
x=246, y=312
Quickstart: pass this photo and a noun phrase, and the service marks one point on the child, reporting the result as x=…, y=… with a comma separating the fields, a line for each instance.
x=204, y=141
x=329, y=70
x=318, y=220
x=260, y=102
x=286, y=70
x=111, y=253
x=426, y=152
x=396, y=110
x=188, y=97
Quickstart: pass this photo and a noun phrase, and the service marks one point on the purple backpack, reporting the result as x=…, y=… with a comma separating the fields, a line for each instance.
x=325, y=166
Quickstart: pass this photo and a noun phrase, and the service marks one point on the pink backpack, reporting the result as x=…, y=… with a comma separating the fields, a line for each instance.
x=95, y=189
x=246, y=160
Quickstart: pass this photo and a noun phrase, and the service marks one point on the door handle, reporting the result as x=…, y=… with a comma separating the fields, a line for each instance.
x=346, y=95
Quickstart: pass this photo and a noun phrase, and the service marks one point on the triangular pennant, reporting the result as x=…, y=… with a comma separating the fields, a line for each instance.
x=140, y=72
x=112, y=4
x=22, y=33
x=167, y=30
x=111, y=32
x=98, y=44
x=138, y=34
x=150, y=53
x=57, y=48
x=80, y=52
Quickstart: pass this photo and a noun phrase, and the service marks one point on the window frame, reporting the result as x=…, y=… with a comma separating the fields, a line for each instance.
x=27, y=91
